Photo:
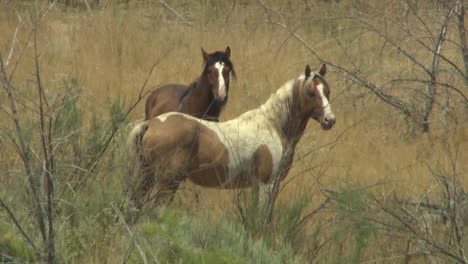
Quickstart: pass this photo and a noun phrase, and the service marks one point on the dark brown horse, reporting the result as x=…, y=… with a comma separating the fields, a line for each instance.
x=204, y=98
x=252, y=149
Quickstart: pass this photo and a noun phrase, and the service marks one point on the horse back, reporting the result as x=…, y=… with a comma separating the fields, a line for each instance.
x=164, y=99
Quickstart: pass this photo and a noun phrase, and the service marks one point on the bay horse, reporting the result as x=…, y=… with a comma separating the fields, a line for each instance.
x=203, y=98
x=252, y=149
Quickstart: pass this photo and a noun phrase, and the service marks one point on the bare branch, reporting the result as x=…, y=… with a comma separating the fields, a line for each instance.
x=175, y=12
x=13, y=42
x=312, y=213
x=45, y=135
x=391, y=41
x=142, y=93
x=132, y=233
x=24, y=149
x=356, y=76
x=228, y=15
x=446, y=85
x=434, y=72
x=462, y=31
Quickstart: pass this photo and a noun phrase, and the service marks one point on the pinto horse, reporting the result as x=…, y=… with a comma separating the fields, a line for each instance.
x=252, y=149
x=203, y=98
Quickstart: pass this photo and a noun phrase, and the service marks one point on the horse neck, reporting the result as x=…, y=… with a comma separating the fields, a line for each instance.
x=285, y=114
x=213, y=111
x=294, y=129
x=200, y=96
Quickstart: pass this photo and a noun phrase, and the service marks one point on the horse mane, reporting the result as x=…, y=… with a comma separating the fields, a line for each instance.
x=188, y=90
x=277, y=108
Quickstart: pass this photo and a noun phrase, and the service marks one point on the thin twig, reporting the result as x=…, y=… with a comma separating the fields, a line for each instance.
x=434, y=72
x=312, y=213
x=48, y=169
x=13, y=42
x=24, y=149
x=228, y=15
x=132, y=233
x=175, y=12
x=142, y=93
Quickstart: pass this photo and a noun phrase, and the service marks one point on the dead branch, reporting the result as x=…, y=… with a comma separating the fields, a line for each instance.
x=422, y=204
x=172, y=10
x=462, y=31
x=312, y=213
x=228, y=15
x=48, y=169
x=142, y=93
x=23, y=149
x=434, y=72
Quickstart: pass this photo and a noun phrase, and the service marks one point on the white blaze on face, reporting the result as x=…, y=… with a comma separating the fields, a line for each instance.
x=326, y=105
x=222, y=85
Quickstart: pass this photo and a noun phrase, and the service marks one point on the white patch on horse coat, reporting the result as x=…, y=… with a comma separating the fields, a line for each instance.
x=222, y=85
x=326, y=104
x=163, y=117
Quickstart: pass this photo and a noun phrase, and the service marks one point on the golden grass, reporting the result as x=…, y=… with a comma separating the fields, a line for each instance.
x=112, y=50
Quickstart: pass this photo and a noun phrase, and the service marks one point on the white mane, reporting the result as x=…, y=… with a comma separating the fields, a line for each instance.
x=277, y=108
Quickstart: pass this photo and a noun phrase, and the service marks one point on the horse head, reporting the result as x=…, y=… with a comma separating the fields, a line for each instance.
x=316, y=99
x=217, y=71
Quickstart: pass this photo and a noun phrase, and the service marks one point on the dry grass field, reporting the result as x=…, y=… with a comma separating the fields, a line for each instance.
x=373, y=157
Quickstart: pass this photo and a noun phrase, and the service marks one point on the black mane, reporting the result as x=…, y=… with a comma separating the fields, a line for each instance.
x=188, y=90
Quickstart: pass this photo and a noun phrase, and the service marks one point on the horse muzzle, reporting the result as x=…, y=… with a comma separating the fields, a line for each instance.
x=327, y=122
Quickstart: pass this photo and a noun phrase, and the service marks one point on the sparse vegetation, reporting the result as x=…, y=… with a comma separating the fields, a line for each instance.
x=386, y=185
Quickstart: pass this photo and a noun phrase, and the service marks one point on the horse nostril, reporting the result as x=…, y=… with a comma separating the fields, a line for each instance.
x=329, y=120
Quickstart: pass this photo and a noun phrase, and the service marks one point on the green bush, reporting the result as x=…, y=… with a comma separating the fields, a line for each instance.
x=177, y=237
x=12, y=248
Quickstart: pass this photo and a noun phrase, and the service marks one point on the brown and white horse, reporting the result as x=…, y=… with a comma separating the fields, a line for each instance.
x=203, y=98
x=254, y=148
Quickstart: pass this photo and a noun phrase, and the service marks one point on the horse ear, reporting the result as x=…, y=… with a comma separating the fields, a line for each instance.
x=307, y=71
x=323, y=69
x=204, y=54
x=228, y=51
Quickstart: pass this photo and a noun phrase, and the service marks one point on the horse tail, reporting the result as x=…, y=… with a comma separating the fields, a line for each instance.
x=137, y=187
x=135, y=140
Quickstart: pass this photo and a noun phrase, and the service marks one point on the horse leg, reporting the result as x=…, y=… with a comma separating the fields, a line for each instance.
x=141, y=193
x=166, y=189
x=175, y=172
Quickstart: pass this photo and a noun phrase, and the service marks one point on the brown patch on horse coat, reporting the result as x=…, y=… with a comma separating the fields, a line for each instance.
x=265, y=163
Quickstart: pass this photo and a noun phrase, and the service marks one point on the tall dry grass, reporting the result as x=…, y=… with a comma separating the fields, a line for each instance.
x=110, y=50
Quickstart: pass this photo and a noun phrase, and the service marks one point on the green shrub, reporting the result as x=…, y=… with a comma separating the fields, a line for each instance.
x=177, y=237
x=12, y=248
